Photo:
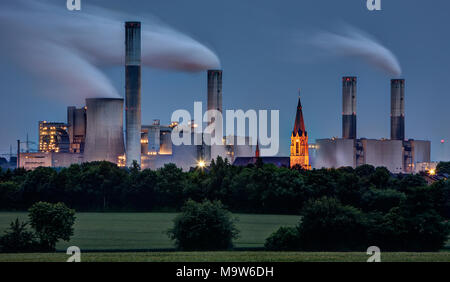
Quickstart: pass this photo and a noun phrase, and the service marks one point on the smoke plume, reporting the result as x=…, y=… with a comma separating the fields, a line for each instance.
x=67, y=49
x=358, y=44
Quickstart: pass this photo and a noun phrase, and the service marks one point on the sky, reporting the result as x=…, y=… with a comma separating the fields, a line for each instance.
x=265, y=56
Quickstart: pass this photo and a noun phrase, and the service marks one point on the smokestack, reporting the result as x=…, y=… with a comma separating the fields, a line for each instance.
x=398, y=109
x=133, y=92
x=18, y=153
x=104, y=131
x=349, y=107
x=215, y=90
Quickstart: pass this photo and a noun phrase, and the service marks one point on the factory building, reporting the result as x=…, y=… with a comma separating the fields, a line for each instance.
x=397, y=154
x=76, y=128
x=157, y=142
x=53, y=137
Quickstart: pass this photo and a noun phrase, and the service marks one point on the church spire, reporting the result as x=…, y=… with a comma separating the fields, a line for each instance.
x=299, y=126
x=299, y=141
x=257, y=152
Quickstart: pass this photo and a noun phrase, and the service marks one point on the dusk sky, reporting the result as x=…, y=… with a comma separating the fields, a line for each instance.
x=264, y=52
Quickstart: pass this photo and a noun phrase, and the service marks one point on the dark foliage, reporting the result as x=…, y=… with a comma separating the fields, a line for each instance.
x=203, y=226
x=51, y=222
x=18, y=239
x=327, y=225
x=443, y=167
x=284, y=239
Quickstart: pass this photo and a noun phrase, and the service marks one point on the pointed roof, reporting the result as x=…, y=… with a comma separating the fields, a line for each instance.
x=299, y=126
x=257, y=153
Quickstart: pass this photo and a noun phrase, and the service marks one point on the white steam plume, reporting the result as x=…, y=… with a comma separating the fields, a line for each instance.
x=68, y=48
x=358, y=44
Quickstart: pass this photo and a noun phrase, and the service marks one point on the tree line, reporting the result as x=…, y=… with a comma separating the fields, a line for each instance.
x=260, y=188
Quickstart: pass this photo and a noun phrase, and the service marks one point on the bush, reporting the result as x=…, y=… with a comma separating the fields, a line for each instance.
x=443, y=167
x=18, y=239
x=203, y=226
x=51, y=222
x=327, y=225
x=399, y=230
x=284, y=239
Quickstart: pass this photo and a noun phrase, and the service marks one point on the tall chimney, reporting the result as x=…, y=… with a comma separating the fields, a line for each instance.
x=133, y=92
x=18, y=153
x=215, y=90
x=398, y=109
x=349, y=107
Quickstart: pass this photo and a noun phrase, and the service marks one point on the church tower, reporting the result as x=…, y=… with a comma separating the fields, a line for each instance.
x=299, y=141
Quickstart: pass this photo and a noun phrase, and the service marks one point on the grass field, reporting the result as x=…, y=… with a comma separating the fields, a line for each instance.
x=228, y=257
x=140, y=231
x=127, y=236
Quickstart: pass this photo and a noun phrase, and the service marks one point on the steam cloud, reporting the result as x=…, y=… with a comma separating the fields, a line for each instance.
x=67, y=49
x=358, y=44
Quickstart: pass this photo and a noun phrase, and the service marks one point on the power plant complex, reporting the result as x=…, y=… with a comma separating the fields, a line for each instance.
x=98, y=132
x=397, y=154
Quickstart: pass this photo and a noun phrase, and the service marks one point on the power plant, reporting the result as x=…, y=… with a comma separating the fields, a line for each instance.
x=397, y=154
x=96, y=132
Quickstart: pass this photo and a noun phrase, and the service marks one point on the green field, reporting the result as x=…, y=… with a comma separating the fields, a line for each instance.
x=140, y=231
x=127, y=236
x=228, y=257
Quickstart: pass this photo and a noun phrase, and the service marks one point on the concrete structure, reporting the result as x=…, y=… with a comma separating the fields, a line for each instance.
x=429, y=167
x=76, y=122
x=104, y=132
x=386, y=153
x=416, y=151
x=31, y=161
x=214, y=101
x=398, y=109
x=334, y=153
x=53, y=137
x=349, y=107
x=133, y=92
x=214, y=91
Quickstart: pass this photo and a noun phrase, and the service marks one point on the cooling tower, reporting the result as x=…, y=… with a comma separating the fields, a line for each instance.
x=398, y=109
x=133, y=92
x=215, y=90
x=349, y=107
x=104, y=131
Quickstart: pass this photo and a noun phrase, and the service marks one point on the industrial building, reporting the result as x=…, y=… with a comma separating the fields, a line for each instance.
x=397, y=154
x=96, y=132
x=76, y=128
x=53, y=137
